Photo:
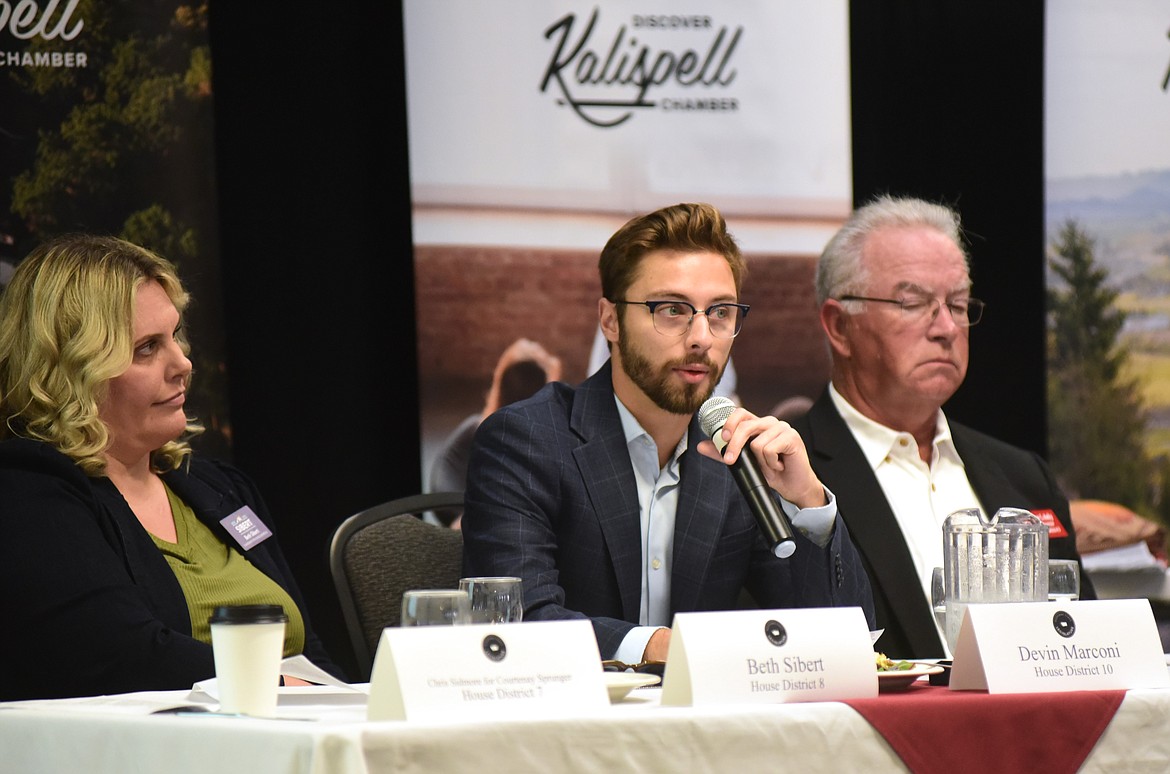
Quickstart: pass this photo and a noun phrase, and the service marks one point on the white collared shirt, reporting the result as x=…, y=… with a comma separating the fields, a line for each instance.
x=920, y=496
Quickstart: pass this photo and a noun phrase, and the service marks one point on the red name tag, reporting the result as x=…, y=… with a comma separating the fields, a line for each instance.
x=1055, y=528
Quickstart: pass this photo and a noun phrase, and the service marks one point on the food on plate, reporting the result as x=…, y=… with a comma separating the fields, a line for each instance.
x=885, y=664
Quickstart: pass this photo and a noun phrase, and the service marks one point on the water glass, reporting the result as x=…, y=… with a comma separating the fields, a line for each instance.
x=495, y=599
x=1064, y=580
x=435, y=607
x=938, y=597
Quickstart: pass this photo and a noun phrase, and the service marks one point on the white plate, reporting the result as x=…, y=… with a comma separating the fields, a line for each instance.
x=897, y=679
x=621, y=683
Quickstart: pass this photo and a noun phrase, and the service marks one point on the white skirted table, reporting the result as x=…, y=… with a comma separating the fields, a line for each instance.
x=323, y=731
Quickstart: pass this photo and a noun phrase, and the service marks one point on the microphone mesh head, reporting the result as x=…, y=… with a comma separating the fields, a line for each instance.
x=713, y=413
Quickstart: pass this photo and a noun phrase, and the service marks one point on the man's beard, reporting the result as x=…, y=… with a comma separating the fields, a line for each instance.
x=659, y=385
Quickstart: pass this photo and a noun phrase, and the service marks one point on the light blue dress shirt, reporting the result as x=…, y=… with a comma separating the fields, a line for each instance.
x=657, y=503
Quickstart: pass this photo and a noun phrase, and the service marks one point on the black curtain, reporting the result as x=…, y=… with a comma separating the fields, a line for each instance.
x=318, y=276
x=315, y=215
x=948, y=104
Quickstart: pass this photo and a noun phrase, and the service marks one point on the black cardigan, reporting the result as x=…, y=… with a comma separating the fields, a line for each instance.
x=89, y=604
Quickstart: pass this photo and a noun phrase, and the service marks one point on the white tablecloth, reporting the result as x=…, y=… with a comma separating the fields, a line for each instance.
x=117, y=735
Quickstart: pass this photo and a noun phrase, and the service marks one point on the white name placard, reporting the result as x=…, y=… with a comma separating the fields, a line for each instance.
x=1034, y=647
x=769, y=656
x=486, y=670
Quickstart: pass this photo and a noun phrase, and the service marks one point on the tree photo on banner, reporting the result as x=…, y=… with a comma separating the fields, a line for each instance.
x=537, y=129
x=106, y=126
x=1107, y=169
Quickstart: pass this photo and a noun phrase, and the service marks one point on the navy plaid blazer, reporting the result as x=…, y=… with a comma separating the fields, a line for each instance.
x=551, y=498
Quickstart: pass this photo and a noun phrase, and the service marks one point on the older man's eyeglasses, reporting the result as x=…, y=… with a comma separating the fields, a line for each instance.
x=964, y=311
x=674, y=318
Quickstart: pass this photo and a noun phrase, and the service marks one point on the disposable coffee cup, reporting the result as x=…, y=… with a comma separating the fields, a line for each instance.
x=248, y=644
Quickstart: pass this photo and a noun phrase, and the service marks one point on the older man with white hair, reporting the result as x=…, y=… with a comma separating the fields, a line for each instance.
x=894, y=289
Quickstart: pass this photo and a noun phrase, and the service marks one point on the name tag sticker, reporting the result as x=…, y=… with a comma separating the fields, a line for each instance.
x=1037, y=647
x=1055, y=528
x=487, y=671
x=769, y=657
x=245, y=526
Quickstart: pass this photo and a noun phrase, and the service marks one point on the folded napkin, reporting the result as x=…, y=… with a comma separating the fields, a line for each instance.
x=934, y=729
x=293, y=666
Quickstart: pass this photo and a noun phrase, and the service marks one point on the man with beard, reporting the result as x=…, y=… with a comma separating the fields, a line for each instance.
x=610, y=502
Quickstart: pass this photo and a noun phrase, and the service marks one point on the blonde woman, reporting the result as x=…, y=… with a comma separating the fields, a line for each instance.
x=116, y=542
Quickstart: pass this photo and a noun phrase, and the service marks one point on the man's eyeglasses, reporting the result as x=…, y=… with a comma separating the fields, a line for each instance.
x=674, y=318
x=964, y=311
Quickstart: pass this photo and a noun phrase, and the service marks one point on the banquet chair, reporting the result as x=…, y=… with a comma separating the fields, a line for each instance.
x=379, y=553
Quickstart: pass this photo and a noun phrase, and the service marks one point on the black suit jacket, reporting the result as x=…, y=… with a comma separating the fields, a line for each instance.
x=1001, y=475
x=551, y=498
x=90, y=604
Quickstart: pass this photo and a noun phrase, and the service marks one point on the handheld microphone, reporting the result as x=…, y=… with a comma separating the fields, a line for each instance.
x=752, y=484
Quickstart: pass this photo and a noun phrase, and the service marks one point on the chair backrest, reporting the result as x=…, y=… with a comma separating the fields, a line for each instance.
x=383, y=551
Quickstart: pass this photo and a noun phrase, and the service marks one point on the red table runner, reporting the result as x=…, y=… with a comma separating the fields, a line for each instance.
x=934, y=729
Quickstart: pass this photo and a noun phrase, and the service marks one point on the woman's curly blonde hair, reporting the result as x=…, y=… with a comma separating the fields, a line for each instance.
x=66, y=330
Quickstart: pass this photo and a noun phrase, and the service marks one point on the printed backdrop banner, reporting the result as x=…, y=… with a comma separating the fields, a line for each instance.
x=1107, y=176
x=623, y=105
x=106, y=126
x=537, y=129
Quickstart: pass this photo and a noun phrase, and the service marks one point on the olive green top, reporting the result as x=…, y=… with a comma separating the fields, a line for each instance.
x=212, y=573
